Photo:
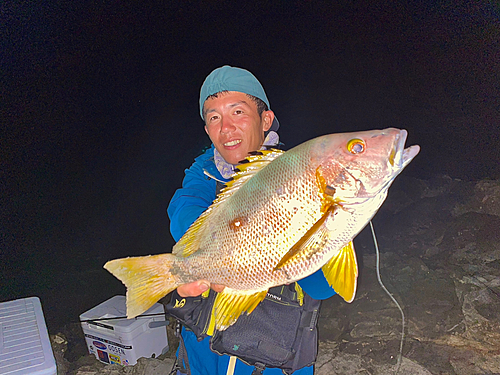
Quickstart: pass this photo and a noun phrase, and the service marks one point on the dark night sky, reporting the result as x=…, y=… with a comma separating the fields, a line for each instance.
x=99, y=111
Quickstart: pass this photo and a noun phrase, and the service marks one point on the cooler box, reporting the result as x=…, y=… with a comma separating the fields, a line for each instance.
x=122, y=340
x=24, y=342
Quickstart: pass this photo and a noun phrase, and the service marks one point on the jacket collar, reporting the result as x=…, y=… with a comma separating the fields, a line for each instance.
x=219, y=169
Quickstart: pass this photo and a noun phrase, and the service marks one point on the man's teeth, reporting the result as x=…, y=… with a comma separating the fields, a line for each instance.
x=232, y=143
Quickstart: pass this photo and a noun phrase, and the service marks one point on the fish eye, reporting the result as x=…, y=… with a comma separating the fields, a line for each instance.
x=356, y=146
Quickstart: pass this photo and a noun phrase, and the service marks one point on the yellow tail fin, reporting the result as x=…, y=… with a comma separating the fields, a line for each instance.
x=147, y=280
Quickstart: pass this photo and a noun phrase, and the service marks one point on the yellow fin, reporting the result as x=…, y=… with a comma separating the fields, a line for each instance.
x=341, y=272
x=229, y=306
x=211, y=323
x=147, y=280
x=249, y=167
x=328, y=191
x=310, y=242
x=300, y=294
x=190, y=242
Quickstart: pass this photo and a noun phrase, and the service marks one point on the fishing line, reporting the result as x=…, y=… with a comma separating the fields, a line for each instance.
x=393, y=299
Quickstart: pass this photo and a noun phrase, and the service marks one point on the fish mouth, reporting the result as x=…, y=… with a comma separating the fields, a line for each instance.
x=400, y=156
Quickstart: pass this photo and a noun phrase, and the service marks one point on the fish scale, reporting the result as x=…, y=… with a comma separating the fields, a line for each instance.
x=283, y=216
x=280, y=241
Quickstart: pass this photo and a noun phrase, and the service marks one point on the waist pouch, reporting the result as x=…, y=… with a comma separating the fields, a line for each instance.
x=281, y=331
x=193, y=312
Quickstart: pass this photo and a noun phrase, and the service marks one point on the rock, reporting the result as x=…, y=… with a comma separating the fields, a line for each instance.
x=88, y=365
x=351, y=364
x=59, y=347
x=486, y=199
x=151, y=366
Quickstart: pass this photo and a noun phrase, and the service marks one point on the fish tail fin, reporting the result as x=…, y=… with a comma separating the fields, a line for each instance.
x=147, y=280
x=341, y=272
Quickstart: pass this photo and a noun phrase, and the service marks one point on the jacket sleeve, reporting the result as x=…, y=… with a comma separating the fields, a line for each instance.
x=316, y=286
x=188, y=203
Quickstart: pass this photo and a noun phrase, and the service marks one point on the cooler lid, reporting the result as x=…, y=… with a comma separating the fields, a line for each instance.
x=115, y=307
x=24, y=341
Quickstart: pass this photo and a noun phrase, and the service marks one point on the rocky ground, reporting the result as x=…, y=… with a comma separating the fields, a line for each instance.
x=440, y=258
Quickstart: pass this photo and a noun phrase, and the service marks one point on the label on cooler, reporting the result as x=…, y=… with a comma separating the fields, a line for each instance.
x=109, y=342
x=116, y=350
x=108, y=351
x=99, y=345
x=113, y=359
x=102, y=325
x=103, y=356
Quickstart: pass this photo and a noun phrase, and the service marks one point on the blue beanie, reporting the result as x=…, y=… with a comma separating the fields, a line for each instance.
x=228, y=78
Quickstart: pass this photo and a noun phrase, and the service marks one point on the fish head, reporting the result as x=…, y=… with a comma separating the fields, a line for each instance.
x=361, y=165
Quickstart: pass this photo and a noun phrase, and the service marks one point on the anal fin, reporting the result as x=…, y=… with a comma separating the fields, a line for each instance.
x=341, y=272
x=229, y=306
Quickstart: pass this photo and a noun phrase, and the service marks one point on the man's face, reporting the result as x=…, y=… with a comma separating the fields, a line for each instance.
x=234, y=126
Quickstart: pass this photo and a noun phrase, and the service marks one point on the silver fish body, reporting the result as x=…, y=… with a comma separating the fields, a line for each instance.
x=284, y=216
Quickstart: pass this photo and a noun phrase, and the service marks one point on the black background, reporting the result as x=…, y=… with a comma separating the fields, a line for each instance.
x=99, y=112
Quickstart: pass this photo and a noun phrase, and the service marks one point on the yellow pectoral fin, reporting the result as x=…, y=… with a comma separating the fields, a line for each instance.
x=229, y=306
x=341, y=272
x=310, y=242
x=147, y=280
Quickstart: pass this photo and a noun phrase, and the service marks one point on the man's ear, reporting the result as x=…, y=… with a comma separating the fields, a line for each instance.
x=206, y=130
x=268, y=117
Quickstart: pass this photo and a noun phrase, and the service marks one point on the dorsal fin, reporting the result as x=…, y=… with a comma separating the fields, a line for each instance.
x=248, y=167
x=189, y=243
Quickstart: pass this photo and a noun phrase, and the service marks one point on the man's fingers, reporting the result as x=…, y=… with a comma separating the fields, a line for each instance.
x=193, y=289
x=196, y=288
x=217, y=287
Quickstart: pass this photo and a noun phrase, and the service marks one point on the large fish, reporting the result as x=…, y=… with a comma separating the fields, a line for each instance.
x=283, y=216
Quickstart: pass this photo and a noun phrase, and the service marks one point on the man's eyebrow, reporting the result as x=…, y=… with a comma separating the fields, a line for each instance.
x=232, y=105
x=235, y=104
x=206, y=112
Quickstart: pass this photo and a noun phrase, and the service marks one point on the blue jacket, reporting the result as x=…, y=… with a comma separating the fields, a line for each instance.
x=188, y=203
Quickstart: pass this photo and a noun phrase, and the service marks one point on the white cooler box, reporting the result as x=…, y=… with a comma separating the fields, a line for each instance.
x=124, y=341
x=24, y=341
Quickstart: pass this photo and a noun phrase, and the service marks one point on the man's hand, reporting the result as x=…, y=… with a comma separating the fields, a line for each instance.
x=196, y=288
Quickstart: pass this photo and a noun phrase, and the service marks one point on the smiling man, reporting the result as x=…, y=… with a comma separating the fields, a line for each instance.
x=273, y=339
x=235, y=125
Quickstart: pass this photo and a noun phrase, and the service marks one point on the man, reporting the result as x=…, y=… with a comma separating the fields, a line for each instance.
x=238, y=120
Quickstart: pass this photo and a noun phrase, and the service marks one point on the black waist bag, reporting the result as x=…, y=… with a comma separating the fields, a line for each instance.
x=281, y=332
x=193, y=312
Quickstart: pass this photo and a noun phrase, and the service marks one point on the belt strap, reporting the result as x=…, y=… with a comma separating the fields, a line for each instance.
x=181, y=362
x=259, y=369
x=230, y=367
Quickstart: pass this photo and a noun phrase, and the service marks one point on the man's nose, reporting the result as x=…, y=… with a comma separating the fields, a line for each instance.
x=227, y=125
